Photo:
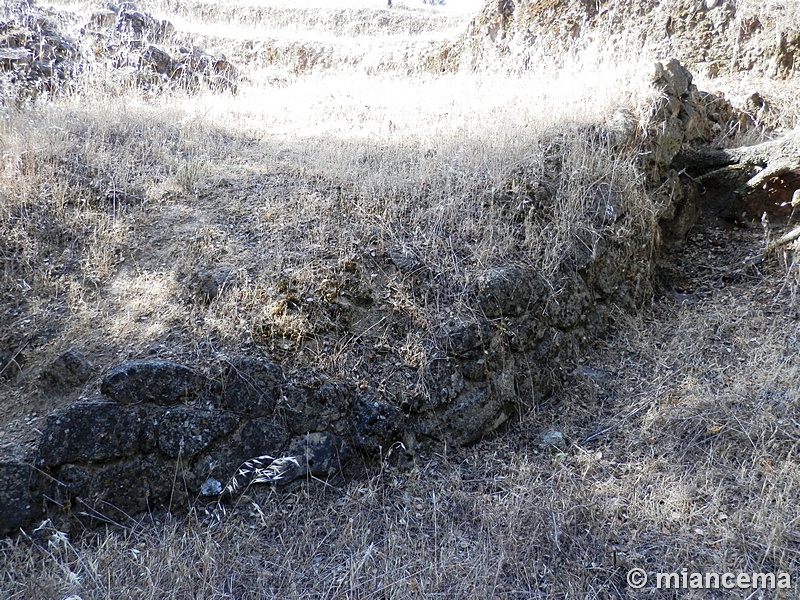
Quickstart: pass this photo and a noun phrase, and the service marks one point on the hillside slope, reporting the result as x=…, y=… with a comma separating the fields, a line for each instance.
x=447, y=262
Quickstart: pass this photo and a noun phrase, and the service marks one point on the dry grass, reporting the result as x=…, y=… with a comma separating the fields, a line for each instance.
x=302, y=185
x=699, y=471
x=150, y=189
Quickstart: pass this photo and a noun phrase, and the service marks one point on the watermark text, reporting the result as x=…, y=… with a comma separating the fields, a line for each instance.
x=693, y=580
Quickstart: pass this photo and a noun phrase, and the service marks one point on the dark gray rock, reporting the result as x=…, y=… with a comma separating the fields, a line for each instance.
x=570, y=306
x=70, y=370
x=476, y=369
x=525, y=333
x=158, y=60
x=406, y=260
x=376, y=424
x=552, y=440
x=320, y=454
x=479, y=410
x=252, y=386
x=464, y=339
x=263, y=436
x=444, y=381
x=185, y=431
x=509, y=291
x=158, y=381
x=93, y=431
x=18, y=508
x=124, y=487
x=315, y=407
x=604, y=277
x=206, y=285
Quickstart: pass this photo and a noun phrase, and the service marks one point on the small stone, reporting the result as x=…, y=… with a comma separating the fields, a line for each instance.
x=66, y=372
x=656, y=71
x=552, y=439
x=210, y=487
x=405, y=260
x=207, y=284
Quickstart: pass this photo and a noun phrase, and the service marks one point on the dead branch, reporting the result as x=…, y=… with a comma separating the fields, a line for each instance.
x=784, y=240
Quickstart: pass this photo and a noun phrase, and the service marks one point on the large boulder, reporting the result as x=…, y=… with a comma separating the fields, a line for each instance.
x=315, y=405
x=158, y=381
x=123, y=488
x=94, y=432
x=263, y=436
x=321, y=454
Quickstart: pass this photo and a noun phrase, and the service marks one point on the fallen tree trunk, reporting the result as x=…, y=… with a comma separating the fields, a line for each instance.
x=786, y=149
x=748, y=180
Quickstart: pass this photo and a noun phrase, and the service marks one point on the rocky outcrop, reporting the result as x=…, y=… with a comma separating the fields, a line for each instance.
x=35, y=55
x=45, y=50
x=713, y=38
x=94, y=432
x=164, y=432
x=162, y=425
x=683, y=118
